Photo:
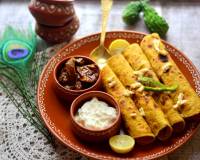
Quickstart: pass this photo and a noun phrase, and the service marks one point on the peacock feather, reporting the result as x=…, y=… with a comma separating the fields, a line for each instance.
x=19, y=73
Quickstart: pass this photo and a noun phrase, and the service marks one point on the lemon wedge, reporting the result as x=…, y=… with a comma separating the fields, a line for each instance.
x=118, y=46
x=121, y=143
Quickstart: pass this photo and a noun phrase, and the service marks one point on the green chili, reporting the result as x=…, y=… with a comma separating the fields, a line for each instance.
x=152, y=85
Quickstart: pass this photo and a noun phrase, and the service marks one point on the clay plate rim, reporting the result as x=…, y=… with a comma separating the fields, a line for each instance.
x=185, y=139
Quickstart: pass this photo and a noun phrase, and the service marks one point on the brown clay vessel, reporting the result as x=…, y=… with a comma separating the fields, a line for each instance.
x=58, y=34
x=52, y=12
x=68, y=95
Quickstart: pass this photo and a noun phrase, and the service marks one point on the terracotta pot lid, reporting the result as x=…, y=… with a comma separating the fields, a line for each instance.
x=57, y=1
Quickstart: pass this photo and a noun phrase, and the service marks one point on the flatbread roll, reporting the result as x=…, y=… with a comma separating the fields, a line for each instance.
x=186, y=100
x=134, y=123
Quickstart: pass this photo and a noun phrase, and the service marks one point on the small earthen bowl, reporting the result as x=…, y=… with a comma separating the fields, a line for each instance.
x=69, y=95
x=52, y=12
x=90, y=135
x=55, y=35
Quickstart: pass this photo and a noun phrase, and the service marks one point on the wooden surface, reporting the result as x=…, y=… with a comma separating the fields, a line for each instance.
x=184, y=33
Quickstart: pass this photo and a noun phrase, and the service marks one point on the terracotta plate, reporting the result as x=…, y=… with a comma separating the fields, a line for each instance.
x=56, y=114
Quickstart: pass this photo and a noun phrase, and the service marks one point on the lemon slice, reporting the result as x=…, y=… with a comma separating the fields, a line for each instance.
x=121, y=143
x=118, y=46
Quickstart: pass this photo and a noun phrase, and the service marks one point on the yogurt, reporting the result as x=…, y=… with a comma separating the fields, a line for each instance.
x=96, y=114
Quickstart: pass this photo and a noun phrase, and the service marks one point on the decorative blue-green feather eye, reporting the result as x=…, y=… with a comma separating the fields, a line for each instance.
x=17, y=51
x=16, y=54
x=17, y=47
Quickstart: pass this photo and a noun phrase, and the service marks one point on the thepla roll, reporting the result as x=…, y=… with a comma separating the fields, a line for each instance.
x=139, y=62
x=186, y=101
x=151, y=112
x=134, y=123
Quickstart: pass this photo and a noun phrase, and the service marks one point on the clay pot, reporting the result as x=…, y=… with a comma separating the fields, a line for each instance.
x=52, y=12
x=92, y=135
x=54, y=35
x=68, y=95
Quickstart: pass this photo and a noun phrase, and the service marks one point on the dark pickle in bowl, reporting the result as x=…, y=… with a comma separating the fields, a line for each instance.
x=78, y=73
x=74, y=76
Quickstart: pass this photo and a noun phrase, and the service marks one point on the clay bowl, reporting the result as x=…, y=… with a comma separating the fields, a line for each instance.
x=91, y=135
x=52, y=12
x=68, y=95
x=55, y=35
